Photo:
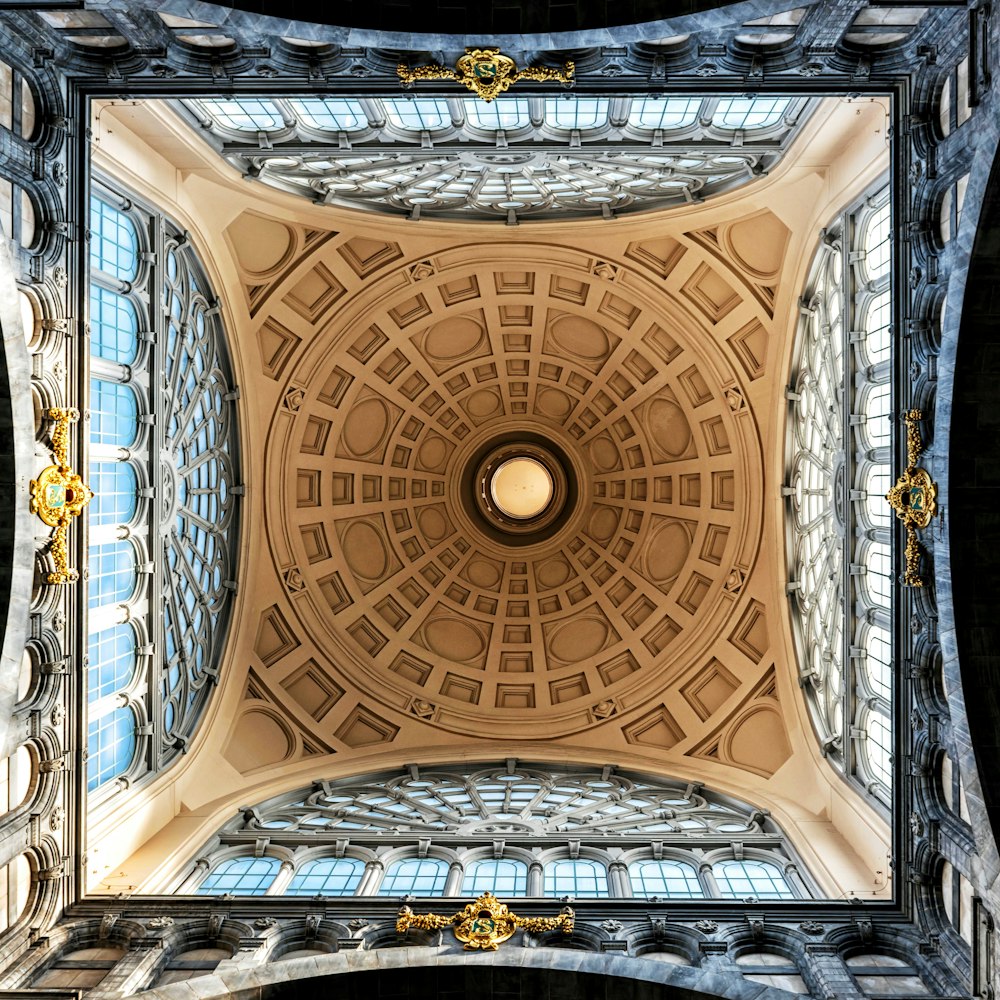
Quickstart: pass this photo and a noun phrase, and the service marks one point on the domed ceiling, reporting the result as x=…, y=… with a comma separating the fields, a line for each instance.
x=388, y=612
x=431, y=608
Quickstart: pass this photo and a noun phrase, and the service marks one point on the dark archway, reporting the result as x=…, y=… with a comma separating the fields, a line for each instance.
x=974, y=495
x=473, y=17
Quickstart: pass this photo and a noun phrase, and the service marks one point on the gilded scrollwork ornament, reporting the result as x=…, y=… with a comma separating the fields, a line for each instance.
x=914, y=499
x=485, y=924
x=486, y=72
x=59, y=494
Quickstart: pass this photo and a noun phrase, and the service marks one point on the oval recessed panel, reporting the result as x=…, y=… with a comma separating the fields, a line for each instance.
x=578, y=639
x=668, y=427
x=454, y=639
x=452, y=338
x=366, y=426
x=666, y=552
x=579, y=336
x=364, y=550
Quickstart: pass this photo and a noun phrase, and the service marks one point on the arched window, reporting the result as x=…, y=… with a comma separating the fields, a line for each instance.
x=82, y=969
x=576, y=113
x=604, y=154
x=581, y=878
x=114, y=412
x=502, y=114
x=244, y=114
x=772, y=970
x=502, y=878
x=672, y=879
x=327, y=876
x=883, y=975
x=113, y=325
x=164, y=395
x=664, y=112
x=15, y=779
x=115, y=493
x=414, y=876
x=110, y=746
x=838, y=474
x=749, y=112
x=330, y=113
x=529, y=808
x=112, y=658
x=112, y=573
x=114, y=241
x=419, y=115
x=241, y=876
x=742, y=879
x=191, y=964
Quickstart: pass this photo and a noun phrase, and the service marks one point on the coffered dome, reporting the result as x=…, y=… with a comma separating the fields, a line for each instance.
x=468, y=622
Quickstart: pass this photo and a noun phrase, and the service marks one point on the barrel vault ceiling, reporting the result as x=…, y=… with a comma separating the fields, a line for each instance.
x=377, y=625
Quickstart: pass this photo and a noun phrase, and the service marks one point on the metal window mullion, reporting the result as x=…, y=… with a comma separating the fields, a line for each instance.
x=157, y=324
x=845, y=292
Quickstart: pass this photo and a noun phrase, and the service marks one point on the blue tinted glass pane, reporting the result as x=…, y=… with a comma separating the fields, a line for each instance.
x=110, y=746
x=664, y=112
x=331, y=113
x=115, y=488
x=503, y=113
x=114, y=412
x=576, y=878
x=112, y=573
x=424, y=877
x=330, y=876
x=114, y=243
x=749, y=112
x=502, y=878
x=112, y=660
x=664, y=878
x=113, y=326
x=422, y=113
x=245, y=115
x=584, y=112
x=741, y=879
x=241, y=876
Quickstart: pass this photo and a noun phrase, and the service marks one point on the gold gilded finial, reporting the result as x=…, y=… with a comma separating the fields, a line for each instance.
x=914, y=499
x=485, y=924
x=59, y=494
x=486, y=72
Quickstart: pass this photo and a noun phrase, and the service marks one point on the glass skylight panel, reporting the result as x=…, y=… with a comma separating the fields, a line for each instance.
x=502, y=114
x=672, y=879
x=244, y=114
x=327, y=877
x=741, y=879
x=241, y=876
x=114, y=243
x=112, y=656
x=333, y=114
x=579, y=113
x=664, y=112
x=749, y=112
x=419, y=114
x=110, y=746
x=114, y=411
x=115, y=490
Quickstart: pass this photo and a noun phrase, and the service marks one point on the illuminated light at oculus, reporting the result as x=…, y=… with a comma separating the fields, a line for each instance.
x=522, y=487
